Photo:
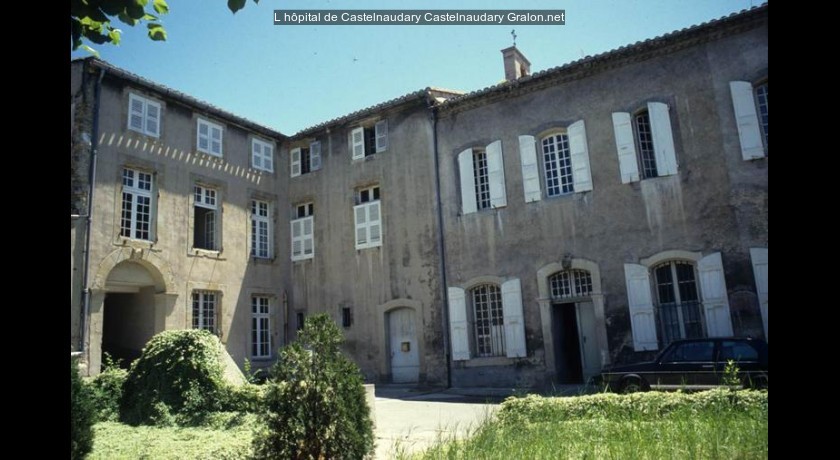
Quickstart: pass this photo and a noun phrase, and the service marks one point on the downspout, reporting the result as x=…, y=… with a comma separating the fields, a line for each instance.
x=91, y=183
x=441, y=245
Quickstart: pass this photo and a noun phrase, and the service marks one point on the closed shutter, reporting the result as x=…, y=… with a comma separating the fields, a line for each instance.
x=715, y=298
x=152, y=118
x=760, y=264
x=628, y=165
x=530, y=170
x=465, y=165
x=315, y=156
x=381, y=129
x=295, y=162
x=640, y=303
x=579, y=154
x=458, y=338
x=746, y=118
x=514, y=321
x=496, y=175
x=135, y=113
x=357, y=143
x=663, y=139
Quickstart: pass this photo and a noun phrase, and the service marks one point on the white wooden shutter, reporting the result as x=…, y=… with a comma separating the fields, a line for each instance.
x=663, y=139
x=357, y=143
x=465, y=165
x=297, y=241
x=530, y=170
x=360, y=213
x=374, y=223
x=152, y=118
x=628, y=165
x=135, y=113
x=715, y=298
x=496, y=175
x=579, y=154
x=295, y=162
x=315, y=156
x=746, y=117
x=640, y=303
x=381, y=129
x=760, y=264
x=514, y=321
x=458, y=339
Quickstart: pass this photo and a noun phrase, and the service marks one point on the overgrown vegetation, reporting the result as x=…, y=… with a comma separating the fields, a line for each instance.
x=81, y=415
x=315, y=402
x=713, y=424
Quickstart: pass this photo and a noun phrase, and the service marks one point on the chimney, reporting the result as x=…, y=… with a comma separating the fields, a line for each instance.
x=516, y=64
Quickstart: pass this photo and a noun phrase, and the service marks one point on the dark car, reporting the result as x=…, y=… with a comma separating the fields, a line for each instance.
x=693, y=364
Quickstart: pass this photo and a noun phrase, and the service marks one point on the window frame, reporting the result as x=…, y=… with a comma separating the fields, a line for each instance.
x=209, y=137
x=256, y=220
x=136, y=192
x=261, y=327
x=145, y=115
x=262, y=155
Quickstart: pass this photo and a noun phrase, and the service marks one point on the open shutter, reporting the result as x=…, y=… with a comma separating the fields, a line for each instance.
x=315, y=155
x=458, y=338
x=663, y=139
x=374, y=223
x=626, y=147
x=465, y=165
x=514, y=322
x=530, y=170
x=496, y=175
x=295, y=162
x=297, y=244
x=715, y=298
x=360, y=216
x=357, y=143
x=760, y=264
x=381, y=129
x=152, y=118
x=579, y=154
x=640, y=303
x=135, y=113
x=746, y=117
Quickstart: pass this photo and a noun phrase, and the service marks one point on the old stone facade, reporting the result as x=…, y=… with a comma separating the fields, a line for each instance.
x=521, y=235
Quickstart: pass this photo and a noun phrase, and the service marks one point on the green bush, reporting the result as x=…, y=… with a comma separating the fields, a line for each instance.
x=81, y=415
x=179, y=375
x=315, y=402
x=106, y=390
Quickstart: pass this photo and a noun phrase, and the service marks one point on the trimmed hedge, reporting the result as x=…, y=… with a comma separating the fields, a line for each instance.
x=81, y=415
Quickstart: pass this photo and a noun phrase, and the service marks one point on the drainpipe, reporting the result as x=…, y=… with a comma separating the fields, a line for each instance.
x=91, y=182
x=441, y=246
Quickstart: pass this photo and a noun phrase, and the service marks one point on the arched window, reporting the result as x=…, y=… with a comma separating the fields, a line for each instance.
x=488, y=320
x=679, y=312
x=557, y=165
x=570, y=284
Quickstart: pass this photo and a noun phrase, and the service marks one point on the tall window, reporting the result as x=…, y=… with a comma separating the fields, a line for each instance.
x=368, y=218
x=763, y=115
x=644, y=140
x=136, y=216
x=204, y=310
x=262, y=155
x=678, y=311
x=209, y=138
x=260, y=229
x=488, y=320
x=303, y=232
x=260, y=328
x=482, y=180
x=558, y=165
x=570, y=283
x=143, y=115
x=205, y=221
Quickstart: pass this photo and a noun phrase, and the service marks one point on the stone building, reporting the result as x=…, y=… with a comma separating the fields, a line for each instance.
x=520, y=235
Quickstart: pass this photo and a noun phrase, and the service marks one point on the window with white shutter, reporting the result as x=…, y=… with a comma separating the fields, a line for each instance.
x=143, y=115
x=367, y=216
x=209, y=139
x=262, y=155
x=303, y=232
x=749, y=103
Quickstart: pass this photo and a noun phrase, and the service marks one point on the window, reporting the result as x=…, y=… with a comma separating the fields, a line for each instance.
x=260, y=328
x=209, y=138
x=306, y=159
x=763, y=114
x=691, y=352
x=346, y=317
x=260, y=230
x=482, y=178
x=751, y=116
x=558, y=165
x=204, y=310
x=570, y=284
x=205, y=219
x=488, y=320
x=299, y=317
x=136, y=216
x=367, y=140
x=262, y=155
x=143, y=115
x=368, y=218
x=679, y=309
x=303, y=232
x=644, y=139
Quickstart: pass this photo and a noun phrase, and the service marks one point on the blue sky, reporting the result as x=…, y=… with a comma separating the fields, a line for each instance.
x=293, y=77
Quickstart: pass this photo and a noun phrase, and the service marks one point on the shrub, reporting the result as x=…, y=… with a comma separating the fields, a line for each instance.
x=106, y=390
x=179, y=374
x=315, y=402
x=81, y=415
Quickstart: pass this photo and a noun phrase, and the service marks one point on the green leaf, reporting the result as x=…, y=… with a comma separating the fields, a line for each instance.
x=157, y=32
x=161, y=7
x=236, y=5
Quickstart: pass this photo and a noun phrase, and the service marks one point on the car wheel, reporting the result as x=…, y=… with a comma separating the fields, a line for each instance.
x=632, y=385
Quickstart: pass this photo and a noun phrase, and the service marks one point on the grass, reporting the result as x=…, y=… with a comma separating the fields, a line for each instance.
x=670, y=428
